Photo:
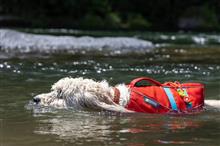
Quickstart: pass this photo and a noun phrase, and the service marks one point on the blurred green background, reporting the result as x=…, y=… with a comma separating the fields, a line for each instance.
x=153, y=15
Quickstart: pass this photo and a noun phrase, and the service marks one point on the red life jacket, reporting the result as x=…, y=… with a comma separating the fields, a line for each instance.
x=164, y=98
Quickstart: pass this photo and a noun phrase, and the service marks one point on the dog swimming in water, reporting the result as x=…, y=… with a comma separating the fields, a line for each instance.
x=169, y=97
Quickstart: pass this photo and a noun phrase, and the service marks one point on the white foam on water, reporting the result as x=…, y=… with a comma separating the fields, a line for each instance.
x=199, y=40
x=12, y=41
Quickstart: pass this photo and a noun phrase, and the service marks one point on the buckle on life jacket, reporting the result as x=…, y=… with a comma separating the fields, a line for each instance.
x=183, y=93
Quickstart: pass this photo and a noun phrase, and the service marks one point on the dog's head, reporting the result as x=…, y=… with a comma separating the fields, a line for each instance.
x=57, y=97
x=50, y=99
x=76, y=92
x=63, y=93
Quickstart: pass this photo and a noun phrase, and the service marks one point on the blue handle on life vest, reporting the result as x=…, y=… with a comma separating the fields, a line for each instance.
x=171, y=99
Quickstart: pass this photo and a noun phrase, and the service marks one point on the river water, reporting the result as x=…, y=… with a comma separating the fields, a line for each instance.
x=31, y=63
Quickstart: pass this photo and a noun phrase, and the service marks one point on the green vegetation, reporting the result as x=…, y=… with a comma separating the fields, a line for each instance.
x=163, y=15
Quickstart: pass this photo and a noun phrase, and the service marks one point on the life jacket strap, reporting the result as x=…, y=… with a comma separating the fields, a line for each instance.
x=171, y=98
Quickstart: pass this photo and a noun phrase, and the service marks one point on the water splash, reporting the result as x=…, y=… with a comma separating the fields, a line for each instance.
x=14, y=42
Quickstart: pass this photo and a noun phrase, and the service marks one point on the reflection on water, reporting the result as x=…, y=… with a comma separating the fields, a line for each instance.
x=101, y=128
x=76, y=128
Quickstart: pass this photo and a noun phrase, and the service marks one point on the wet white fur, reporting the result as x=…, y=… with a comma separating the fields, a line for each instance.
x=87, y=93
x=213, y=103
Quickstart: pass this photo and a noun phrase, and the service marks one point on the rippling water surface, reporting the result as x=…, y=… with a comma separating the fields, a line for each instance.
x=23, y=75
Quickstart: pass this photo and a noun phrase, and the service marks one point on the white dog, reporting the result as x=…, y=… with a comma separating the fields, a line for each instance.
x=87, y=93
x=84, y=93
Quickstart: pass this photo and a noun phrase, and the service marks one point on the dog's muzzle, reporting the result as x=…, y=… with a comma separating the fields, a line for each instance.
x=36, y=99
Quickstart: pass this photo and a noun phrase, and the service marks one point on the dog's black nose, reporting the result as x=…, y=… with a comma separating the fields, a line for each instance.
x=36, y=99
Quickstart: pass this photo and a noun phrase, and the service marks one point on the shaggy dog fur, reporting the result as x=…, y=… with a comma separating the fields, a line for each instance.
x=84, y=93
x=87, y=93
